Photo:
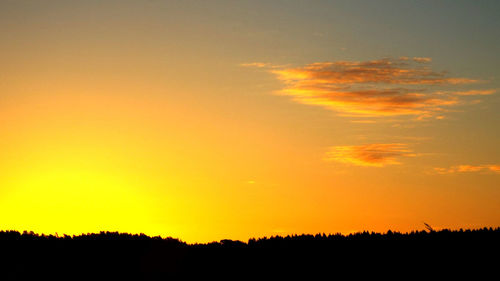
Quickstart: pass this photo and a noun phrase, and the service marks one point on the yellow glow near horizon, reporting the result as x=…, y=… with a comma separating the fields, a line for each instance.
x=66, y=173
x=71, y=200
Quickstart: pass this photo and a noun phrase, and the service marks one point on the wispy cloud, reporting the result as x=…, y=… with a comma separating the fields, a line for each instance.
x=422, y=60
x=475, y=92
x=386, y=87
x=372, y=155
x=468, y=169
x=387, y=71
x=256, y=64
x=262, y=65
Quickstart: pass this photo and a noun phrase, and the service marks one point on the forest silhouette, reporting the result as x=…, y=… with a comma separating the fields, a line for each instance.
x=113, y=255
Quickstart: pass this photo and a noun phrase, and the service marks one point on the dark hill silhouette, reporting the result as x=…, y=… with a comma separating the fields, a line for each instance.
x=113, y=256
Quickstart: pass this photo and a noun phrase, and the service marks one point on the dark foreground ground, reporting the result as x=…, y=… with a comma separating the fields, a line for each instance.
x=118, y=256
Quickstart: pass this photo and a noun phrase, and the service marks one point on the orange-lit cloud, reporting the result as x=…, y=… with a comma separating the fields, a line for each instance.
x=386, y=87
x=476, y=92
x=389, y=71
x=468, y=169
x=371, y=102
x=372, y=155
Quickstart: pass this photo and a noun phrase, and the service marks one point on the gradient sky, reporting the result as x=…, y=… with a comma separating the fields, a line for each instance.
x=206, y=120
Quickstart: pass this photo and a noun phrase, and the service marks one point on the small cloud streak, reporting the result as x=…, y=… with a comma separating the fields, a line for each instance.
x=256, y=64
x=468, y=169
x=422, y=60
x=262, y=65
x=369, y=155
x=385, y=87
x=476, y=92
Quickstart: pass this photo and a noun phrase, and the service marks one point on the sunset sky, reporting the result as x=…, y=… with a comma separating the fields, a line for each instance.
x=206, y=120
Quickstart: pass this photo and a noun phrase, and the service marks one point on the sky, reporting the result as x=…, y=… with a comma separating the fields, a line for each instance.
x=209, y=120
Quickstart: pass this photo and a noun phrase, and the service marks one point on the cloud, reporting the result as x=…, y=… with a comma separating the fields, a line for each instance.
x=468, y=169
x=385, y=87
x=388, y=71
x=371, y=102
x=476, y=92
x=416, y=59
x=262, y=65
x=494, y=168
x=371, y=155
x=256, y=64
x=422, y=60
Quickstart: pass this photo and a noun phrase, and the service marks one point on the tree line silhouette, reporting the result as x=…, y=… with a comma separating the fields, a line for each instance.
x=113, y=255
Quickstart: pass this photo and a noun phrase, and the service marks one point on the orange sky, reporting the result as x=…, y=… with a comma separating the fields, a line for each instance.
x=205, y=121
